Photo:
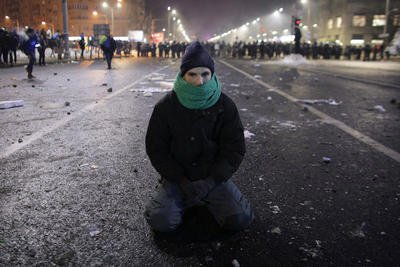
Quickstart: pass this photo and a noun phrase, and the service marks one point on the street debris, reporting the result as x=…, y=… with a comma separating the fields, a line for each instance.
x=276, y=231
x=359, y=231
x=304, y=108
x=256, y=65
x=247, y=134
x=379, y=108
x=258, y=77
x=67, y=104
x=55, y=73
x=94, y=167
x=288, y=124
x=166, y=85
x=94, y=233
x=148, y=94
x=311, y=251
x=20, y=140
x=275, y=209
x=33, y=85
x=104, y=84
x=68, y=113
x=326, y=159
x=235, y=263
x=14, y=85
x=234, y=84
x=109, y=90
x=11, y=104
x=329, y=101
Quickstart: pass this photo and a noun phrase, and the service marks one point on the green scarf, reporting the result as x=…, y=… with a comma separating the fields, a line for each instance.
x=197, y=97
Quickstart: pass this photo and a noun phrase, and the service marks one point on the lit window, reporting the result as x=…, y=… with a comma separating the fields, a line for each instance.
x=379, y=20
x=396, y=20
x=338, y=22
x=330, y=23
x=359, y=21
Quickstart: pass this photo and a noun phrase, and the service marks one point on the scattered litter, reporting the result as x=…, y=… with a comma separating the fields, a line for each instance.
x=94, y=233
x=67, y=104
x=150, y=89
x=247, y=134
x=275, y=209
x=14, y=85
x=166, y=85
x=359, y=231
x=269, y=98
x=304, y=108
x=68, y=80
x=235, y=263
x=243, y=109
x=33, y=85
x=159, y=78
x=84, y=165
x=318, y=242
x=294, y=59
x=311, y=252
x=109, y=90
x=94, y=167
x=288, y=124
x=104, y=84
x=20, y=140
x=256, y=65
x=383, y=233
x=258, y=77
x=329, y=101
x=306, y=203
x=234, y=84
x=148, y=94
x=276, y=230
x=68, y=113
x=326, y=159
x=11, y=104
x=55, y=73
x=379, y=108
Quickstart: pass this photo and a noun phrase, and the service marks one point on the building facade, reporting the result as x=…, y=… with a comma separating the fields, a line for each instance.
x=121, y=15
x=355, y=22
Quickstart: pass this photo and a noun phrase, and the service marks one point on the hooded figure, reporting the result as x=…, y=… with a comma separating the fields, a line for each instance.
x=195, y=142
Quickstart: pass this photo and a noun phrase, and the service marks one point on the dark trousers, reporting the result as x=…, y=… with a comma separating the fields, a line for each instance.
x=108, y=56
x=32, y=60
x=41, y=51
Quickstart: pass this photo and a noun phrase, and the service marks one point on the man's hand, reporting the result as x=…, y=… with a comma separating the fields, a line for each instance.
x=203, y=187
x=197, y=190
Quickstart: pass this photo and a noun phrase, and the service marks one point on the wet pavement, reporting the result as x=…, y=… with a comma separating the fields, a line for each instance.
x=74, y=176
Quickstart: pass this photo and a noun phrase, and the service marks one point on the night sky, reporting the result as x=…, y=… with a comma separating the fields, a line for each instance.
x=206, y=17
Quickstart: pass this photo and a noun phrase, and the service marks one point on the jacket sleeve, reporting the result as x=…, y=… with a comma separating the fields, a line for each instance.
x=231, y=145
x=158, y=139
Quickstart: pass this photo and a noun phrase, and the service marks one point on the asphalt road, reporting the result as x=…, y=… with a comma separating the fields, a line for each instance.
x=74, y=176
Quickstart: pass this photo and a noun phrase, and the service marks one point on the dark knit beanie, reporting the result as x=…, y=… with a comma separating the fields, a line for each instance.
x=196, y=56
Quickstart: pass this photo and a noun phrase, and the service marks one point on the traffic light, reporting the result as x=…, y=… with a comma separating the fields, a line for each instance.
x=297, y=22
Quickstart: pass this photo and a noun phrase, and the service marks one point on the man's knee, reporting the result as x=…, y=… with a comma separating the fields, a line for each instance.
x=238, y=221
x=162, y=219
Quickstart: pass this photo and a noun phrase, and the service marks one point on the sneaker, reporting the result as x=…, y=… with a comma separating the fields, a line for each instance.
x=30, y=76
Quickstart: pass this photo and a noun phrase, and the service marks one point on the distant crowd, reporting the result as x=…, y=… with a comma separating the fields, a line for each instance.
x=10, y=42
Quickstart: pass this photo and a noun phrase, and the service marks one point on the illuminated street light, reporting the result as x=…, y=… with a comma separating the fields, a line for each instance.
x=43, y=23
x=280, y=10
x=7, y=17
x=95, y=13
x=105, y=5
x=303, y=2
x=119, y=5
x=169, y=8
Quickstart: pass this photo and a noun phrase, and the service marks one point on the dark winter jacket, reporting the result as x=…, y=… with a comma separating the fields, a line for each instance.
x=195, y=144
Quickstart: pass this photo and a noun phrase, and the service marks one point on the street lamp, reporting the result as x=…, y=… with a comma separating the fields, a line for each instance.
x=105, y=5
x=95, y=13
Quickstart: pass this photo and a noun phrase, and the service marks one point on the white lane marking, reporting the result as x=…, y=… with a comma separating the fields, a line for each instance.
x=327, y=119
x=42, y=132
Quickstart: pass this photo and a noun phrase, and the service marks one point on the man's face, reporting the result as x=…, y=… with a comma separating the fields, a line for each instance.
x=197, y=76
